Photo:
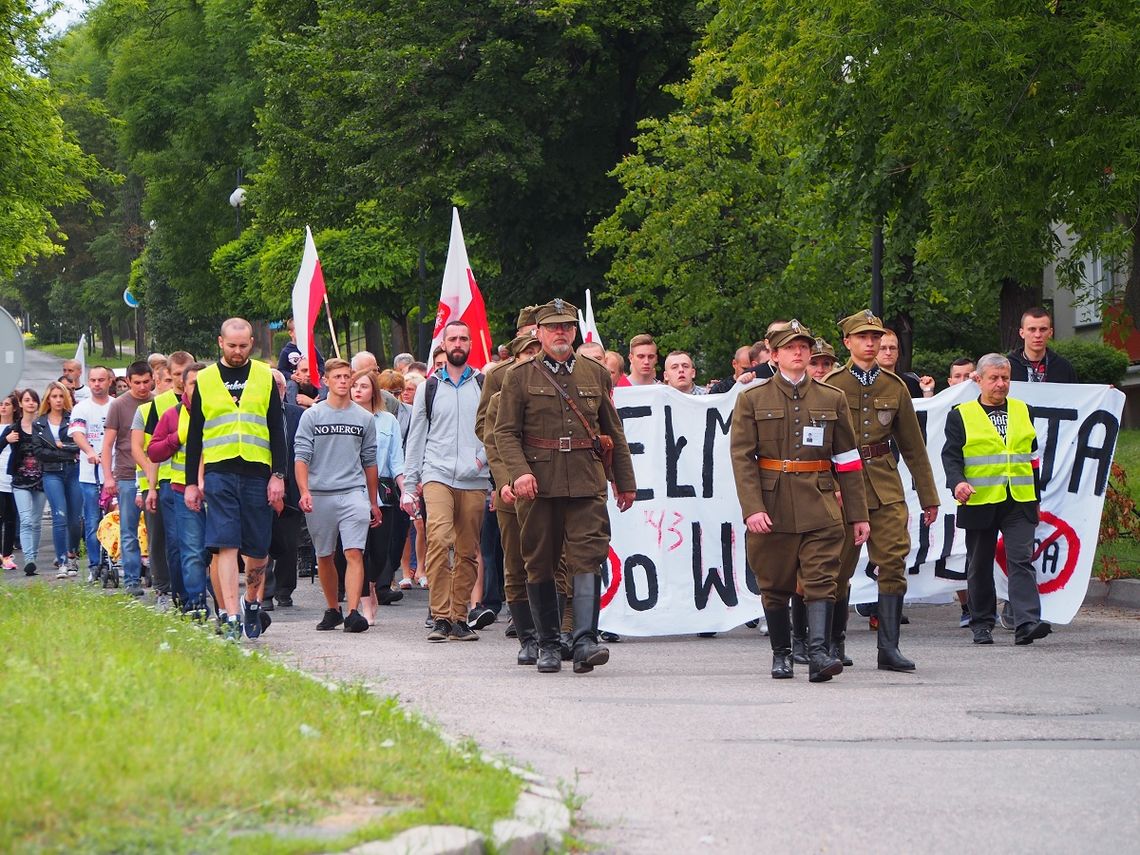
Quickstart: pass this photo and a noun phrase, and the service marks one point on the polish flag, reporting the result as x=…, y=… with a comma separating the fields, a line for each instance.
x=308, y=296
x=460, y=299
x=586, y=324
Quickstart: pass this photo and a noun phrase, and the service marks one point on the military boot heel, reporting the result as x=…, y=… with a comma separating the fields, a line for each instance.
x=890, y=615
x=822, y=665
x=528, y=638
x=839, y=631
x=799, y=630
x=543, y=597
x=780, y=637
x=588, y=654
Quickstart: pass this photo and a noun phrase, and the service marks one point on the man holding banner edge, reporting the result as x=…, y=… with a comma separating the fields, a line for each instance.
x=789, y=434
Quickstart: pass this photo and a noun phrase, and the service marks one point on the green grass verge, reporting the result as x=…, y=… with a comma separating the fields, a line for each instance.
x=130, y=731
x=67, y=351
x=1128, y=456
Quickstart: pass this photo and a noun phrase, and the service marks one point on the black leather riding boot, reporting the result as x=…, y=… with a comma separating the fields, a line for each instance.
x=586, y=604
x=524, y=625
x=543, y=597
x=839, y=631
x=799, y=630
x=822, y=666
x=780, y=636
x=890, y=614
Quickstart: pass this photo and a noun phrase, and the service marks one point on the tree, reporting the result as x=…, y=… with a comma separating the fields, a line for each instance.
x=41, y=166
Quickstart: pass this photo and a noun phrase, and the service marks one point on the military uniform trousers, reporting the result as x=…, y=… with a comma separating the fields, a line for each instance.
x=780, y=559
x=887, y=549
x=576, y=529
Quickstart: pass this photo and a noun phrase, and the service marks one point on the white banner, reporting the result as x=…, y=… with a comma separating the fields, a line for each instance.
x=677, y=562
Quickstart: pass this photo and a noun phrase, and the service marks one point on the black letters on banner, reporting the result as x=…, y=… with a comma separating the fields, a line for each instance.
x=636, y=603
x=673, y=448
x=627, y=413
x=941, y=571
x=1053, y=417
x=1102, y=453
x=712, y=421
x=703, y=584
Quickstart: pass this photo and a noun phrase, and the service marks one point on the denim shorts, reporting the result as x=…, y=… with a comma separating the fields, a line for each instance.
x=238, y=513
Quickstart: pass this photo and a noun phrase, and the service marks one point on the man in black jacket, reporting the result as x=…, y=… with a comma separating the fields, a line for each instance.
x=1036, y=362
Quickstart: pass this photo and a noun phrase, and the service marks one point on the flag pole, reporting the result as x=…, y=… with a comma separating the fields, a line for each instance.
x=332, y=329
x=486, y=347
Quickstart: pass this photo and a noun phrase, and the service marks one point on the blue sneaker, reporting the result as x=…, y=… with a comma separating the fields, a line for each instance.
x=251, y=618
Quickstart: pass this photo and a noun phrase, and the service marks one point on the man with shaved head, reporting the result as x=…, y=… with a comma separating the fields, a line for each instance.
x=237, y=431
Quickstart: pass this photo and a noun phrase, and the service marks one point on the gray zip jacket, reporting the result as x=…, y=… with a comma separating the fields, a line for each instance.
x=447, y=451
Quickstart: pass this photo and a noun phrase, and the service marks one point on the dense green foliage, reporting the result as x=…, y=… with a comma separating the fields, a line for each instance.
x=704, y=168
x=1094, y=362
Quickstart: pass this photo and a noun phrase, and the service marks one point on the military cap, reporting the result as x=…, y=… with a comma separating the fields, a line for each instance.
x=775, y=327
x=556, y=311
x=864, y=321
x=518, y=344
x=790, y=332
x=821, y=348
x=526, y=317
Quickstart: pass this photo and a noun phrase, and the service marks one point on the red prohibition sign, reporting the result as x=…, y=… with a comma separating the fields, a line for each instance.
x=615, y=580
x=1061, y=531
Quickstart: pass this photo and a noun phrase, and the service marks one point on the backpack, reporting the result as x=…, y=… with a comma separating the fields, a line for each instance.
x=432, y=384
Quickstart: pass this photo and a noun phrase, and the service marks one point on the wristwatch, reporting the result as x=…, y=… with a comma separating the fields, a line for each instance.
x=280, y=475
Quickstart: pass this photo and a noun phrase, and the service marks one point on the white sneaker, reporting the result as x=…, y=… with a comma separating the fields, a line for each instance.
x=763, y=628
x=162, y=603
x=61, y=573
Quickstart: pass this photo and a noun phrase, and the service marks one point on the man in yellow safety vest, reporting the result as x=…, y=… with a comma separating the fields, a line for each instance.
x=991, y=462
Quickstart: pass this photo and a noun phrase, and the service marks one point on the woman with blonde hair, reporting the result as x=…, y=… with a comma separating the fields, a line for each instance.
x=59, y=458
x=365, y=391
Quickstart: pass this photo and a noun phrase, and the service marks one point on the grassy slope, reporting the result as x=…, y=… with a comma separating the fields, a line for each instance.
x=126, y=730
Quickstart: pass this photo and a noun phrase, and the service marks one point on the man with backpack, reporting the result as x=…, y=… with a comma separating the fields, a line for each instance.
x=445, y=462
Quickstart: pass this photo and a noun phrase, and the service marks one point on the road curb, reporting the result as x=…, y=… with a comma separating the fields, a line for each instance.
x=1122, y=593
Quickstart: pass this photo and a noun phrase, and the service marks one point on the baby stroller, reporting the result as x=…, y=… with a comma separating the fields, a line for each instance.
x=110, y=559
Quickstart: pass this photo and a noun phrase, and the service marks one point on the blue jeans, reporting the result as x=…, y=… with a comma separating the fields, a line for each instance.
x=168, y=502
x=30, y=504
x=62, y=491
x=193, y=557
x=91, y=517
x=129, y=534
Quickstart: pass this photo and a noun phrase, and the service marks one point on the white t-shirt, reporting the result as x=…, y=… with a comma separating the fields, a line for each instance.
x=5, y=478
x=88, y=418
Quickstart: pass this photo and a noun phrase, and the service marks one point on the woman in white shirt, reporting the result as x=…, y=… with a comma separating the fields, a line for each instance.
x=9, y=519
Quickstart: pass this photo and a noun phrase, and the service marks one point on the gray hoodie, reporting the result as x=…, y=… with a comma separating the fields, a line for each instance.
x=447, y=451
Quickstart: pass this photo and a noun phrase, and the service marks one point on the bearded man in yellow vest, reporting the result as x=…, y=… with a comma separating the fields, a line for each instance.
x=991, y=462
x=235, y=460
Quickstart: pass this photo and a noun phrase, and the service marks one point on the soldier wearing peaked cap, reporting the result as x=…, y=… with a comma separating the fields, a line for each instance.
x=555, y=418
x=884, y=418
x=791, y=441
x=495, y=372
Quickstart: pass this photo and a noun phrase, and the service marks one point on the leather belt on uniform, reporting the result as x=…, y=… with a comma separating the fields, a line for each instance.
x=563, y=443
x=794, y=465
x=875, y=449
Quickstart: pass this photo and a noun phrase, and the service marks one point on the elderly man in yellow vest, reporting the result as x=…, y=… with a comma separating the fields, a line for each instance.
x=991, y=461
x=237, y=433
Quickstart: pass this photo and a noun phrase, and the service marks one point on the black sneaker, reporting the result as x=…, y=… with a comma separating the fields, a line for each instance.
x=460, y=631
x=388, y=596
x=440, y=630
x=284, y=602
x=983, y=635
x=266, y=620
x=609, y=637
x=511, y=631
x=30, y=568
x=332, y=619
x=480, y=617
x=267, y=604
x=355, y=622
x=429, y=621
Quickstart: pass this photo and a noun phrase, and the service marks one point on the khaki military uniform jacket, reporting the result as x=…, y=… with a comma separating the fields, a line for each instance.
x=498, y=470
x=768, y=421
x=530, y=406
x=492, y=382
x=883, y=412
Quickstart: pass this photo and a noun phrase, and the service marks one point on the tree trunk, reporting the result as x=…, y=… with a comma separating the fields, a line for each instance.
x=903, y=325
x=1132, y=286
x=1015, y=298
x=400, y=343
x=374, y=341
x=107, y=334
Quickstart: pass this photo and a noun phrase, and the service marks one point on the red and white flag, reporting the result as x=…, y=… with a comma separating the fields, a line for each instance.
x=308, y=296
x=586, y=325
x=461, y=300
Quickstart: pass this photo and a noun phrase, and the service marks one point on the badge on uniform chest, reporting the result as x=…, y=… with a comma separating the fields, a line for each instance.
x=813, y=436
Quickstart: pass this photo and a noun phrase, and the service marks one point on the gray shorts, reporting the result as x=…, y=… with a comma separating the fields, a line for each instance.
x=346, y=514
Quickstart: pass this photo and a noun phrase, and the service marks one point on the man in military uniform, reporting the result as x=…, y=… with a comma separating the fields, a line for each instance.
x=555, y=416
x=506, y=515
x=884, y=419
x=789, y=434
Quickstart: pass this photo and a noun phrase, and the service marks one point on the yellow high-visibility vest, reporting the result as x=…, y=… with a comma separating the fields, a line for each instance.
x=162, y=403
x=140, y=478
x=241, y=430
x=992, y=464
x=178, y=460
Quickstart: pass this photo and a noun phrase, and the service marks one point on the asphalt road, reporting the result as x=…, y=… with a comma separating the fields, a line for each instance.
x=685, y=744
x=39, y=369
